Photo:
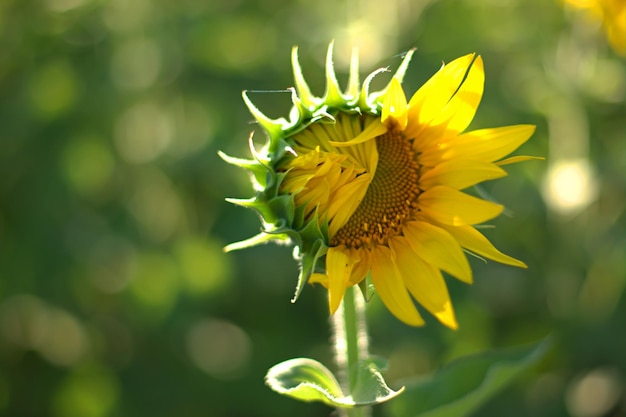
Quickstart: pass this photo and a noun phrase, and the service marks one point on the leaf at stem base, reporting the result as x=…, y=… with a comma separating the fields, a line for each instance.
x=308, y=380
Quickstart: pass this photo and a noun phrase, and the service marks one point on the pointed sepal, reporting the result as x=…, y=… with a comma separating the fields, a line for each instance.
x=365, y=101
x=273, y=127
x=259, y=171
x=260, y=239
x=404, y=65
x=258, y=205
x=374, y=97
x=333, y=96
x=352, y=92
x=308, y=100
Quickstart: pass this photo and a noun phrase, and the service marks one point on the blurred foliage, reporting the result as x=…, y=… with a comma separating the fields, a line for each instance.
x=115, y=296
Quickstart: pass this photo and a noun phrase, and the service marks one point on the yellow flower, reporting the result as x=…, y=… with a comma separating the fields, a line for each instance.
x=371, y=185
x=612, y=14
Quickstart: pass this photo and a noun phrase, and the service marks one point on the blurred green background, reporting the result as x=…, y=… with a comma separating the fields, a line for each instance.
x=115, y=296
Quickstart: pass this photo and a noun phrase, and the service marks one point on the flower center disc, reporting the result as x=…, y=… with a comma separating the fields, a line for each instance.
x=390, y=197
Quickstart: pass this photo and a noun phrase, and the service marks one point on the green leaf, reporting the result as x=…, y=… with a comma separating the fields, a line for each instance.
x=308, y=380
x=461, y=387
x=370, y=387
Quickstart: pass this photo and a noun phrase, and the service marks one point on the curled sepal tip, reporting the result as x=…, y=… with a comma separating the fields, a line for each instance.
x=273, y=127
x=365, y=100
x=398, y=75
x=308, y=380
x=299, y=111
x=259, y=171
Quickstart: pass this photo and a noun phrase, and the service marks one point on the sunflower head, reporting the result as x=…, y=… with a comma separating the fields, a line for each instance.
x=612, y=14
x=367, y=185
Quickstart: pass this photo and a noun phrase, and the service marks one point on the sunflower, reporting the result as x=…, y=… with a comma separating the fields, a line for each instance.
x=612, y=14
x=368, y=184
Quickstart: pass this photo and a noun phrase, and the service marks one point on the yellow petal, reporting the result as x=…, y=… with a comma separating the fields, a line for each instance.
x=460, y=173
x=366, y=153
x=394, y=113
x=349, y=127
x=338, y=268
x=461, y=109
x=296, y=181
x=315, y=136
x=370, y=132
x=317, y=278
x=448, y=206
x=519, y=158
x=390, y=287
x=315, y=194
x=347, y=174
x=486, y=145
x=429, y=101
x=427, y=136
x=345, y=202
x=424, y=281
x=362, y=267
x=474, y=241
x=439, y=248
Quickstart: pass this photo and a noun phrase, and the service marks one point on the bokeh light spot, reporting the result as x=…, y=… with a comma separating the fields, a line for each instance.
x=54, y=89
x=23, y=321
x=604, y=285
x=136, y=64
x=196, y=124
x=238, y=43
x=607, y=81
x=65, y=341
x=143, y=132
x=155, y=284
x=219, y=348
x=28, y=323
x=124, y=16
x=570, y=186
x=594, y=394
x=205, y=268
x=64, y=5
x=155, y=205
x=88, y=164
x=112, y=261
x=88, y=391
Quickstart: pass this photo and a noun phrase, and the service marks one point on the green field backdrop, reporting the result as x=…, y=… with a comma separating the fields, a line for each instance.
x=116, y=299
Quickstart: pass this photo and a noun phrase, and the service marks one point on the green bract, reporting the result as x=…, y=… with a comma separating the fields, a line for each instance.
x=282, y=220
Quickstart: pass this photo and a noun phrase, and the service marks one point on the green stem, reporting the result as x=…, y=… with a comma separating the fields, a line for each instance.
x=351, y=342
